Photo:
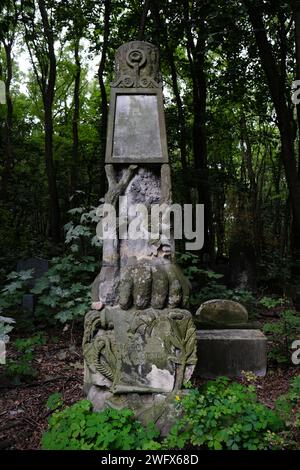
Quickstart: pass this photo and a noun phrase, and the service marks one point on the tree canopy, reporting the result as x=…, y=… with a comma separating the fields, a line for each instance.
x=233, y=130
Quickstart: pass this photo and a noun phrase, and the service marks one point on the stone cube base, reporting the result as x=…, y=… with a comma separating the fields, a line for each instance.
x=229, y=352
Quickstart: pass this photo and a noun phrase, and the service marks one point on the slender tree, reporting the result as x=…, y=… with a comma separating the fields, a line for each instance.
x=8, y=25
x=40, y=38
x=196, y=52
x=103, y=105
x=276, y=76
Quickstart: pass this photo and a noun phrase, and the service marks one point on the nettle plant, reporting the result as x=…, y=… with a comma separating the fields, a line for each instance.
x=79, y=428
x=223, y=415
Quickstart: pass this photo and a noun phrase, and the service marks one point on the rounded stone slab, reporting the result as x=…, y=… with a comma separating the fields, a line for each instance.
x=222, y=311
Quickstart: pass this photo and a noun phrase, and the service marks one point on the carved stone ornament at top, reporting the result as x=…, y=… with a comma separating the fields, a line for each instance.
x=137, y=66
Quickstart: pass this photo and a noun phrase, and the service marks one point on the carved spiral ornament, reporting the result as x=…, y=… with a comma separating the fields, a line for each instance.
x=136, y=58
x=137, y=66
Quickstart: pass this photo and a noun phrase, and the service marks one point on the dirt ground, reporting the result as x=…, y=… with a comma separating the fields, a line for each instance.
x=23, y=411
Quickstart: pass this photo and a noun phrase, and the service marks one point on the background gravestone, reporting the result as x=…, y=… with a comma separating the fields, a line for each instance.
x=40, y=266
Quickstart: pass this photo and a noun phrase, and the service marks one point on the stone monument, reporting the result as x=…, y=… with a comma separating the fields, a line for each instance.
x=227, y=344
x=139, y=338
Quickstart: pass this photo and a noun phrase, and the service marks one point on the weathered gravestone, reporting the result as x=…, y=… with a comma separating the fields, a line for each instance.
x=139, y=340
x=227, y=344
x=39, y=266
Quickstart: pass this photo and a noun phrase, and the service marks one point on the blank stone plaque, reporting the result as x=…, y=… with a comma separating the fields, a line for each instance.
x=136, y=128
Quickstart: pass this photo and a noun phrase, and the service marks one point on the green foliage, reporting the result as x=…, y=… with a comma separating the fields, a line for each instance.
x=274, y=267
x=81, y=234
x=54, y=401
x=210, y=287
x=219, y=291
x=271, y=302
x=281, y=335
x=6, y=326
x=64, y=291
x=21, y=367
x=223, y=415
x=79, y=428
x=189, y=263
x=285, y=407
x=286, y=403
x=13, y=291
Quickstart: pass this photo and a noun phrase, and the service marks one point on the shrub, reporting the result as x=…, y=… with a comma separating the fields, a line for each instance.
x=80, y=232
x=64, y=291
x=223, y=416
x=211, y=287
x=54, y=401
x=21, y=367
x=79, y=428
x=12, y=293
x=281, y=334
x=270, y=302
x=288, y=408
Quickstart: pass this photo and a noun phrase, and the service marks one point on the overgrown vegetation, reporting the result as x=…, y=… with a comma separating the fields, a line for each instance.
x=64, y=291
x=219, y=415
x=22, y=366
x=223, y=415
x=281, y=335
x=288, y=409
x=208, y=284
x=79, y=428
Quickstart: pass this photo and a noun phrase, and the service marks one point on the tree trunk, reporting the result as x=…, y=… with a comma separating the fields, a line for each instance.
x=103, y=108
x=8, y=123
x=141, y=32
x=284, y=113
x=248, y=159
x=76, y=101
x=50, y=170
x=196, y=56
x=48, y=98
x=297, y=43
x=161, y=28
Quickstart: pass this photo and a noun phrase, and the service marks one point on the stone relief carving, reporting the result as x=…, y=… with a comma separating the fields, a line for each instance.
x=148, y=351
x=137, y=66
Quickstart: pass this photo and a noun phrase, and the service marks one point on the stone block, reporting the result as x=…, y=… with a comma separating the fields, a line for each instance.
x=28, y=302
x=229, y=352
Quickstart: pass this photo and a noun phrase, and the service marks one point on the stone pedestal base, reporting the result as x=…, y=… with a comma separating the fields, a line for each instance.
x=138, y=359
x=158, y=408
x=229, y=352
